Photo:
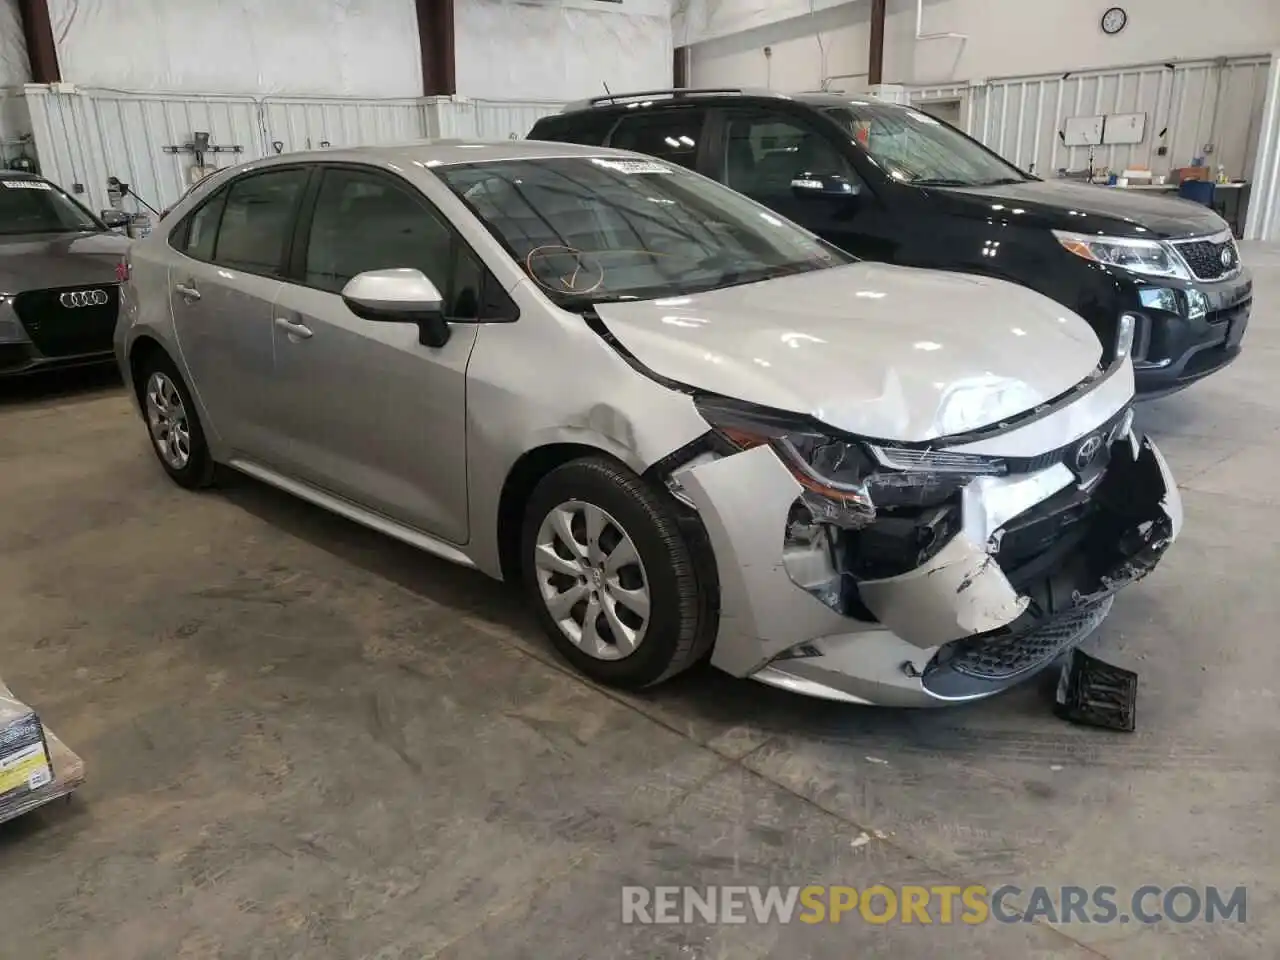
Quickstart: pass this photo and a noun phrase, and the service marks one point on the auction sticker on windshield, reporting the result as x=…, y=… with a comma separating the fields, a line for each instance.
x=26, y=184
x=632, y=166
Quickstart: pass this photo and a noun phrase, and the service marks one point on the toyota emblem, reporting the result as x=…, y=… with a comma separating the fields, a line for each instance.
x=83, y=298
x=1228, y=258
x=1087, y=452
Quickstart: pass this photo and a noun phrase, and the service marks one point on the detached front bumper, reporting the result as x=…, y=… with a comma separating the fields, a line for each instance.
x=1031, y=571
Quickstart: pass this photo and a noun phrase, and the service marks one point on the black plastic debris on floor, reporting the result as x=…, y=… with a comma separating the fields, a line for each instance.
x=1096, y=694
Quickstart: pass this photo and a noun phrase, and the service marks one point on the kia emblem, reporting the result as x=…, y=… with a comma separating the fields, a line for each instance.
x=1228, y=258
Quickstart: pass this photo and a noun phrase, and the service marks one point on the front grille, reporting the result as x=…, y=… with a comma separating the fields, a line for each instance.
x=1205, y=256
x=58, y=330
x=1005, y=656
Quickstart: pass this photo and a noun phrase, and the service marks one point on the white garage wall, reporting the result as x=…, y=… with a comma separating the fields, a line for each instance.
x=560, y=50
x=1005, y=37
x=348, y=48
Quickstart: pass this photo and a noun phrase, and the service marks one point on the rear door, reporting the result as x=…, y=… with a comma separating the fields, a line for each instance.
x=378, y=418
x=232, y=251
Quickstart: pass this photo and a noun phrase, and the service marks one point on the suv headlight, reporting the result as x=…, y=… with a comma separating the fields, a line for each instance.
x=845, y=480
x=1149, y=257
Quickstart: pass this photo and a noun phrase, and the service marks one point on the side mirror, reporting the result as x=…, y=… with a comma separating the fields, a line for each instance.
x=114, y=219
x=400, y=295
x=823, y=185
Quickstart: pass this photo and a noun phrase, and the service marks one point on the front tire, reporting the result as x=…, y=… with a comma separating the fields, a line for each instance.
x=173, y=426
x=610, y=575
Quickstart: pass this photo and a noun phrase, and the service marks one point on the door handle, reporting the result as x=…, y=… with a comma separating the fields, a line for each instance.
x=293, y=328
x=186, y=291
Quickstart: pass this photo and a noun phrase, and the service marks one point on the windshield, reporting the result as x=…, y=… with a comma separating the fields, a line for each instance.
x=36, y=206
x=592, y=229
x=914, y=147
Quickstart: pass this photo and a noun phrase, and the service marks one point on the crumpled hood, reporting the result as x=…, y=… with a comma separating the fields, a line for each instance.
x=881, y=351
x=36, y=261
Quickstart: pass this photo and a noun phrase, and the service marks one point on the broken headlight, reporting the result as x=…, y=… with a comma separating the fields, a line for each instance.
x=845, y=480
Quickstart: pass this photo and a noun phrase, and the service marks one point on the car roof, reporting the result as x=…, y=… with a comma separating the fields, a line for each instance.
x=656, y=99
x=437, y=153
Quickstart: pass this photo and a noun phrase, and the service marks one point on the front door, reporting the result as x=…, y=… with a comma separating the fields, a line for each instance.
x=221, y=290
x=765, y=150
x=373, y=415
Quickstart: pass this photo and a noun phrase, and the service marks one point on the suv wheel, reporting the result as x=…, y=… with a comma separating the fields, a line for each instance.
x=610, y=575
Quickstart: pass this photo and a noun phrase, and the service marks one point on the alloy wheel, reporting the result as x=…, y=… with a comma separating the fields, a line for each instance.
x=592, y=580
x=167, y=421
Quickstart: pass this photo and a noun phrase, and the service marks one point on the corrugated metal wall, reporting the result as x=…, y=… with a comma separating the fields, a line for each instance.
x=1194, y=104
x=84, y=138
x=1264, y=215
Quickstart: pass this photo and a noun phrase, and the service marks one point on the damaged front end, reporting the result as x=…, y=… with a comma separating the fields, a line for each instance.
x=944, y=574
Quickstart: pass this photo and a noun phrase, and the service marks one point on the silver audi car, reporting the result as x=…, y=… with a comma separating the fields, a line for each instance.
x=689, y=428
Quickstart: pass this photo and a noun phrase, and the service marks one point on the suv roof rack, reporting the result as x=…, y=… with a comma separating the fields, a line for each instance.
x=675, y=93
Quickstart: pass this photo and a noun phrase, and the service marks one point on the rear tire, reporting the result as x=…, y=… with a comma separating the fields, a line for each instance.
x=177, y=437
x=610, y=575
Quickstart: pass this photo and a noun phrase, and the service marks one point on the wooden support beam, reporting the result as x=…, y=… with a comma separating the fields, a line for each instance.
x=435, y=37
x=875, y=56
x=37, y=29
x=680, y=68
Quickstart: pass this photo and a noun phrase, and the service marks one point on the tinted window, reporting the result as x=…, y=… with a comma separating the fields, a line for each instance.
x=670, y=134
x=202, y=228
x=593, y=229
x=764, y=152
x=366, y=222
x=36, y=206
x=257, y=221
x=585, y=128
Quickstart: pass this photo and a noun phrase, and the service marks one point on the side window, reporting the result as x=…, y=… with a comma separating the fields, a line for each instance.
x=669, y=134
x=257, y=221
x=366, y=222
x=201, y=229
x=764, y=152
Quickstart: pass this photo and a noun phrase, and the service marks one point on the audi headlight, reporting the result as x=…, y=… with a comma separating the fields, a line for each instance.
x=844, y=480
x=1149, y=257
x=11, y=329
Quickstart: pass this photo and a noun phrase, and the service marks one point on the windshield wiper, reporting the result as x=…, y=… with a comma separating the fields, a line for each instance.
x=940, y=182
x=1001, y=181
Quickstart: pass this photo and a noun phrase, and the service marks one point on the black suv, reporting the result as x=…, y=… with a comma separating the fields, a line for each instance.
x=1157, y=276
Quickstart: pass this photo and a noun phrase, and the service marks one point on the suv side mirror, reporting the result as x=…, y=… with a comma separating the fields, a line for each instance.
x=114, y=219
x=823, y=185
x=400, y=295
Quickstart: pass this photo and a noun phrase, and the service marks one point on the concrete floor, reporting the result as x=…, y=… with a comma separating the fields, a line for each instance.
x=304, y=740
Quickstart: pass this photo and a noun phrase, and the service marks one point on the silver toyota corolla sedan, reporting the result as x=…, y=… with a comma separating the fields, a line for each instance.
x=690, y=428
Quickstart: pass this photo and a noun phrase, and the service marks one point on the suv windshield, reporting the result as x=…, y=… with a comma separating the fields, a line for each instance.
x=914, y=147
x=592, y=229
x=37, y=206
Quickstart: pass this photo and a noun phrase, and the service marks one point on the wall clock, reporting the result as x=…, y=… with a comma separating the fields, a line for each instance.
x=1114, y=20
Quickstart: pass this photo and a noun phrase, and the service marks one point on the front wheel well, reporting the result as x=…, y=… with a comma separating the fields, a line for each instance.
x=524, y=476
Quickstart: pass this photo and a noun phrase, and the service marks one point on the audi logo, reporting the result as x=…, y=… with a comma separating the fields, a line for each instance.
x=83, y=298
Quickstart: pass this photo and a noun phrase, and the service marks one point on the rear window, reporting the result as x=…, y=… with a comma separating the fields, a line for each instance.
x=589, y=129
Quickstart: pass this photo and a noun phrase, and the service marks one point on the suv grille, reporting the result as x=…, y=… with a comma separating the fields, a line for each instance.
x=1210, y=258
x=59, y=330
